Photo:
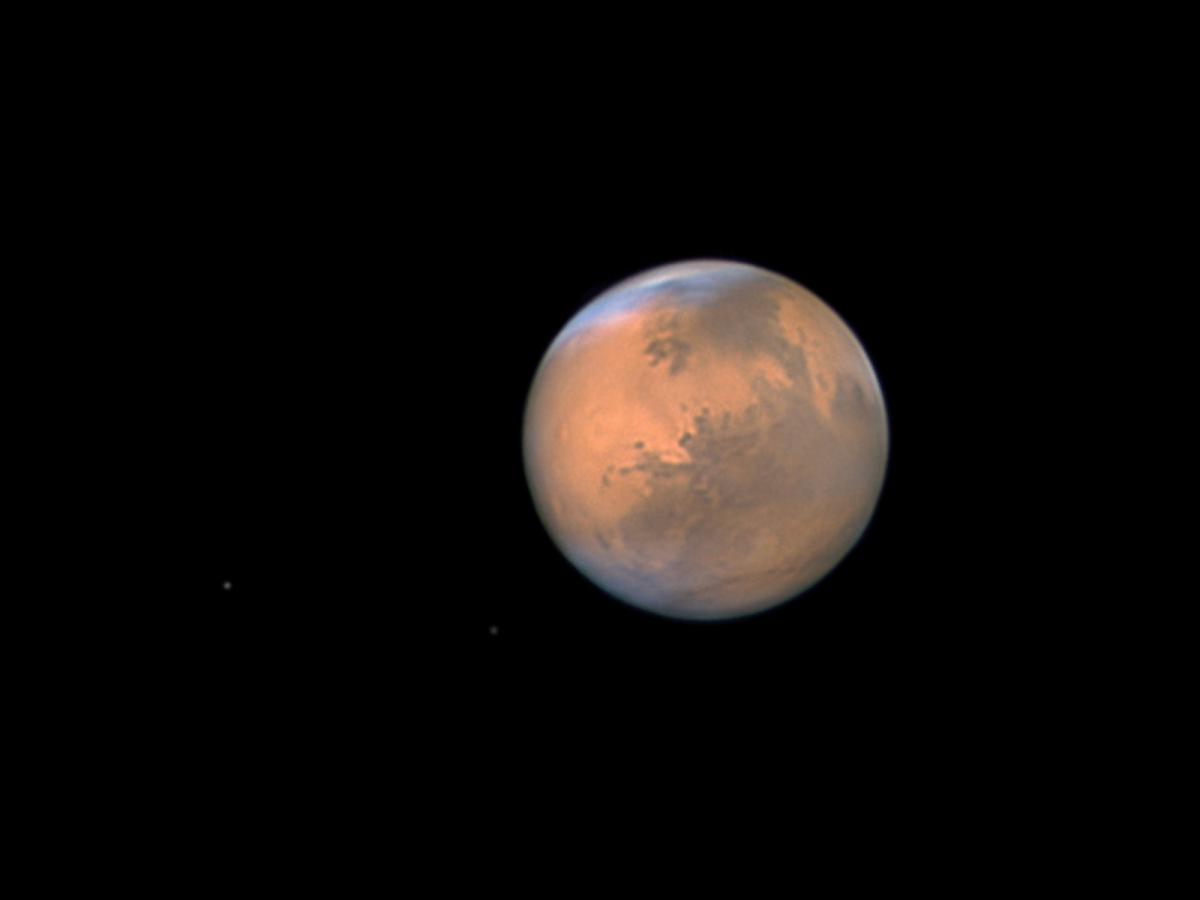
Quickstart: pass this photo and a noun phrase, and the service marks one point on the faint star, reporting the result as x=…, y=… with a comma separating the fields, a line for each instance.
x=493, y=631
x=228, y=585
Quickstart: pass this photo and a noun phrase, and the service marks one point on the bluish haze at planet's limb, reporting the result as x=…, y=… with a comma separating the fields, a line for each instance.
x=705, y=440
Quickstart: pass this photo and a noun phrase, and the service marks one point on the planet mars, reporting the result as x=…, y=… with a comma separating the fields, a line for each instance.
x=705, y=440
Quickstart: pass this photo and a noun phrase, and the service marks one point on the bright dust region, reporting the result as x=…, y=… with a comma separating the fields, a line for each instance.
x=705, y=440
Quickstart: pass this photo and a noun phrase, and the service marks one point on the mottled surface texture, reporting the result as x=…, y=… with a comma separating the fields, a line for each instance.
x=705, y=440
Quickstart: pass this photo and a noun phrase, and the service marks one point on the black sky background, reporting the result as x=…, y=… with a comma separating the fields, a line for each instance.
x=293, y=304
x=317, y=311
x=288, y=294
x=332, y=343
x=345, y=329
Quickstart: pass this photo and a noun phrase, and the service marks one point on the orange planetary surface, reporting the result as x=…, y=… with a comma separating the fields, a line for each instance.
x=705, y=440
